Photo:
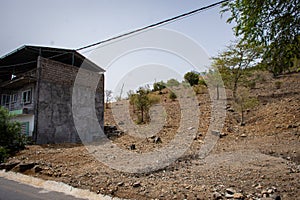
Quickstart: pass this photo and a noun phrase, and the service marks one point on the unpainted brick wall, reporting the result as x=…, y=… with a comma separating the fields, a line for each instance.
x=54, y=118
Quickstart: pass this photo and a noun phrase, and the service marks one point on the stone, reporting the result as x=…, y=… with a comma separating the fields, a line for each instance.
x=228, y=195
x=222, y=134
x=230, y=109
x=258, y=186
x=120, y=183
x=136, y=184
x=238, y=196
x=9, y=165
x=121, y=123
x=25, y=166
x=230, y=191
x=217, y=196
x=277, y=126
x=243, y=135
x=292, y=126
x=216, y=133
x=37, y=169
x=270, y=191
x=157, y=140
x=132, y=147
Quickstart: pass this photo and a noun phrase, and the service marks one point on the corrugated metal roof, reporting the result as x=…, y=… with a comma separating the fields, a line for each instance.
x=25, y=58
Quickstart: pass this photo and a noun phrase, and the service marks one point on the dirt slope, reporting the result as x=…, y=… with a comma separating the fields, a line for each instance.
x=260, y=159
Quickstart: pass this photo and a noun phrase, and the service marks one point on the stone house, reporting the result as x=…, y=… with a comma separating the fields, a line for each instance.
x=36, y=86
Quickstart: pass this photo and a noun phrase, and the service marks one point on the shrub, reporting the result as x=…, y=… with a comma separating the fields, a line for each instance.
x=153, y=98
x=199, y=89
x=3, y=154
x=159, y=86
x=278, y=84
x=252, y=84
x=172, y=95
x=172, y=83
x=192, y=78
x=11, y=139
x=202, y=82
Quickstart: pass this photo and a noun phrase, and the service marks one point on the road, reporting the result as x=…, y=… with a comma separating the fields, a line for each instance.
x=12, y=190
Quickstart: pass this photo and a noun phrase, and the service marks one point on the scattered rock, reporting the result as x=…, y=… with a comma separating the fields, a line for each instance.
x=217, y=196
x=112, y=131
x=277, y=126
x=25, y=166
x=37, y=169
x=228, y=195
x=157, y=140
x=243, y=135
x=222, y=134
x=238, y=196
x=216, y=133
x=9, y=165
x=264, y=192
x=120, y=183
x=230, y=109
x=121, y=123
x=258, y=186
x=136, y=184
x=292, y=126
x=270, y=191
x=132, y=147
x=230, y=191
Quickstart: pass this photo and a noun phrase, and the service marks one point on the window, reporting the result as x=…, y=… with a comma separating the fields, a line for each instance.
x=14, y=98
x=5, y=99
x=26, y=97
x=25, y=128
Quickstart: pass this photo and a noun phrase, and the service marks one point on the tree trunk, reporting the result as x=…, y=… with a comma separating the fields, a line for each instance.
x=142, y=113
x=242, y=116
x=218, y=96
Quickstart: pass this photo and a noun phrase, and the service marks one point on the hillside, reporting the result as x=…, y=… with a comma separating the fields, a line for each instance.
x=260, y=159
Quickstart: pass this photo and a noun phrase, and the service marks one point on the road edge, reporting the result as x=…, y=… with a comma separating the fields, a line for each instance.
x=53, y=186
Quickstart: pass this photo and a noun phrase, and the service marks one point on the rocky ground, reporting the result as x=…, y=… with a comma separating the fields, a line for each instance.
x=260, y=160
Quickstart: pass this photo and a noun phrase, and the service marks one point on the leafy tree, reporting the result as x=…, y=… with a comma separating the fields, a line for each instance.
x=158, y=86
x=214, y=80
x=141, y=103
x=192, y=78
x=11, y=139
x=271, y=24
x=233, y=62
x=172, y=83
x=244, y=102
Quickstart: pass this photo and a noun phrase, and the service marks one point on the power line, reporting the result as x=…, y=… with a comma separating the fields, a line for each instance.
x=158, y=24
x=169, y=20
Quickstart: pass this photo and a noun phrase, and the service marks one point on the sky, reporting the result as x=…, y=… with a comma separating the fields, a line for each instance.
x=76, y=23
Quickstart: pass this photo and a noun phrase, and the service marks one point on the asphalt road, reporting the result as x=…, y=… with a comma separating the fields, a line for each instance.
x=11, y=190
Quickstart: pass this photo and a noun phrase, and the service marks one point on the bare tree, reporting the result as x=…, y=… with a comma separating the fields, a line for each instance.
x=108, y=97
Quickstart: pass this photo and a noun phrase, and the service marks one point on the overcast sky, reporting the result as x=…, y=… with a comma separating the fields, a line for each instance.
x=75, y=23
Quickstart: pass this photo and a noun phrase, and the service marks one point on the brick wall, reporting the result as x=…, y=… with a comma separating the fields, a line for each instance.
x=53, y=114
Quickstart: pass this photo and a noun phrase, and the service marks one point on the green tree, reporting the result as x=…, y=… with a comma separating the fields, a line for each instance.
x=233, y=62
x=271, y=24
x=244, y=102
x=158, y=86
x=192, y=78
x=214, y=80
x=172, y=83
x=141, y=103
x=11, y=139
